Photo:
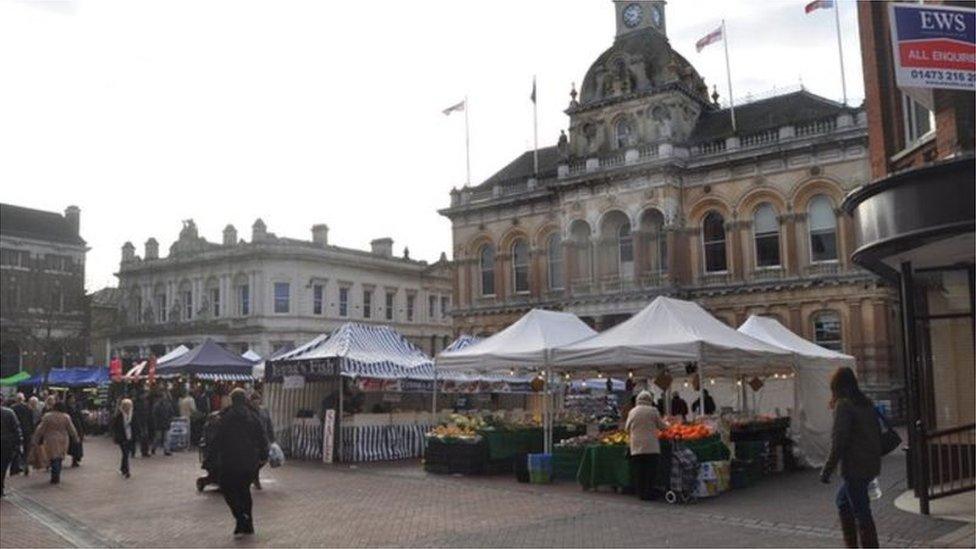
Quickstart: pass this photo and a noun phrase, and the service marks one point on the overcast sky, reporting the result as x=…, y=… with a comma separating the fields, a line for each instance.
x=144, y=113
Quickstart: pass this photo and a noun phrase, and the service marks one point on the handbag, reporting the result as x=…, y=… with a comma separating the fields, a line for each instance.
x=890, y=439
x=37, y=458
x=275, y=456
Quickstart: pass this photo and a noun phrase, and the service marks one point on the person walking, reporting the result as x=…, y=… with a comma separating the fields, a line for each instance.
x=140, y=418
x=76, y=449
x=26, y=420
x=54, y=433
x=264, y=416
x=856, y=446
x=241, y=447
x=10, y=442
x=162, y=416
x=35, y=408
x=125, y=432
x=642, y=425
x=187, y=406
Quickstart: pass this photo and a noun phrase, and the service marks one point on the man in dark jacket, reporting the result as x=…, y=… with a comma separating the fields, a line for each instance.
x=242, y=447
x=709, y=404
x=10, y=441
x=26, y=420
x=163, y=412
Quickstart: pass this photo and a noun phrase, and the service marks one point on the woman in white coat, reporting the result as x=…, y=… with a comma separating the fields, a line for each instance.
x=642, y=426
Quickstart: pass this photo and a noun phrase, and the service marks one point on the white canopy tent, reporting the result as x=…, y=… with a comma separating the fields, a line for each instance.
x=528, y=343
x=252, y=356
x=812, y=419
x=175, y=353
x=672, y=331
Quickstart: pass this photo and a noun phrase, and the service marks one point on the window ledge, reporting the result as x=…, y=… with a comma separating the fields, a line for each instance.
x=913, y=147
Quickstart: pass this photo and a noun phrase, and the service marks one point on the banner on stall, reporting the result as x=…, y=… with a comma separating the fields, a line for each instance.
x=293, y=382
x=309, y=369
x=328, y=436
x=934, y=47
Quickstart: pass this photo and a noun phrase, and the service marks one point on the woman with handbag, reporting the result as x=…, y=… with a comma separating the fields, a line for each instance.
x=642, y=425
x=52, y=437
x=856, y=445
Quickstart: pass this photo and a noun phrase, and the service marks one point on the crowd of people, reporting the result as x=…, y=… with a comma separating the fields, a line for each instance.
x=232, y=429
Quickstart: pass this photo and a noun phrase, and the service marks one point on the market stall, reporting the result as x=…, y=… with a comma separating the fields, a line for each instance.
x=207, y=361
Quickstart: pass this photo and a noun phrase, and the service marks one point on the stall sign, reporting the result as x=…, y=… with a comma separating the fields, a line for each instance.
x=328, y=435
x=318, y=369
x=933, y=46
x=416, y=385
x=293, y=382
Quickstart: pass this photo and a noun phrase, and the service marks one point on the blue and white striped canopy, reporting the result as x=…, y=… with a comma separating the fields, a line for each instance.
x=464, y=340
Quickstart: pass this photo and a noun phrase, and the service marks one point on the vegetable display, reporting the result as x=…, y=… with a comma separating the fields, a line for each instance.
x=680, y=431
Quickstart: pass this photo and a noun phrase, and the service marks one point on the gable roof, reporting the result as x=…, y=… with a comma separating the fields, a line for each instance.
x=18, y=221
x=765, y=114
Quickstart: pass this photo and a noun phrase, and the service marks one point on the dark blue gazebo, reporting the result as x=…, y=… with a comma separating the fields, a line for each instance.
x=208, y=361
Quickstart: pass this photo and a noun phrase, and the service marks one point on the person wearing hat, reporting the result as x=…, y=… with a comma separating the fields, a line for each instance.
x=642, y=426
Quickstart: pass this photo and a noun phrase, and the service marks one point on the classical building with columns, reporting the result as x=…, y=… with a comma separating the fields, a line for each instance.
x=273, y=292
x=654, y=191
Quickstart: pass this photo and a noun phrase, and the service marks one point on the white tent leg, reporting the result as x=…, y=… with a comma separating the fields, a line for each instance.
x=433, y=398
x=701, y=390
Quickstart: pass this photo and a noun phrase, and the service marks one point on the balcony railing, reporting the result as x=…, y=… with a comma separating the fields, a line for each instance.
x=776, y=273
x=826, y=125
x=761, y=138
x=948, y=463
x=823, y=269
x=711, y=147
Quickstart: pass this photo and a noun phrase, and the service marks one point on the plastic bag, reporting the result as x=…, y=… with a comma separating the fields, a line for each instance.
x=275, y=456
x=874, y=489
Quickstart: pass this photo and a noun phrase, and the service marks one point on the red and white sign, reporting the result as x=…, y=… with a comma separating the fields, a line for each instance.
x=933, y=46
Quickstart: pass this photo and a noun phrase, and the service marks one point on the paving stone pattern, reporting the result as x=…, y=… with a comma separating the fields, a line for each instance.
x=396, y=504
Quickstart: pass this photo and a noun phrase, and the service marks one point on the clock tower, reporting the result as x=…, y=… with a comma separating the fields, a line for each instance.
x=634, y=15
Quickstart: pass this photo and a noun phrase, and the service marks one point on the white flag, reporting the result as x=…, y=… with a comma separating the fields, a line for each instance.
x=452, y=108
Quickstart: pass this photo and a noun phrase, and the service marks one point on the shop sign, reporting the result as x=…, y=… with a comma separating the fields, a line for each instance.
x=933, y=46
x=293, y=382
x=318, y=369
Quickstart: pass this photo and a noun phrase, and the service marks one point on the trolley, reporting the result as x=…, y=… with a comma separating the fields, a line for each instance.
x=684, y=474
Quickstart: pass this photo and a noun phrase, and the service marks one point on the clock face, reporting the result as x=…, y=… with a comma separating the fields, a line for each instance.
x=656, y=15
x=632, y=15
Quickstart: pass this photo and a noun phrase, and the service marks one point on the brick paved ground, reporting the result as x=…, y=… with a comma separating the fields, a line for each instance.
x=307, y=504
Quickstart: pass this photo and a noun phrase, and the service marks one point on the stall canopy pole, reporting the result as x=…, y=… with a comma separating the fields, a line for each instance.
x=701, y=390
x=550, y=409
x=433, y=398
x=338, y=425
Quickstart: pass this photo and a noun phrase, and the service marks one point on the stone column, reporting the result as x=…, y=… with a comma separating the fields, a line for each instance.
x=638, y=240
x=733, y=247
x=501, y=276
x=681, y=245
x=802, y=242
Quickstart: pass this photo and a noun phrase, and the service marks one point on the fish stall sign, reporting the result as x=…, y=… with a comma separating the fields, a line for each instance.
x=933, y=46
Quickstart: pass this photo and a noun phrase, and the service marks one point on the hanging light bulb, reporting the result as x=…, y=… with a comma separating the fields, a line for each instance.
x=512, y=372
x=686, y=384
x=630, y=374
x=712, y=381
x=739, y=383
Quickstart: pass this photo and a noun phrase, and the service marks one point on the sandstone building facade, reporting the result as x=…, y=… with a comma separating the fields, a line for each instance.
x=273, y=292
x=651, y=191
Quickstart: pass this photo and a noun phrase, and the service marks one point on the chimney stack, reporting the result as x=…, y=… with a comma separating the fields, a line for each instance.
x=320, y=234
x=128, y=253
x=152, y=249
x=383, y=246
x=73, y=215
x=230, y=235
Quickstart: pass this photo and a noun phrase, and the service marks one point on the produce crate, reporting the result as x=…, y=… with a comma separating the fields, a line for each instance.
x=566, y=462
x=457, y=457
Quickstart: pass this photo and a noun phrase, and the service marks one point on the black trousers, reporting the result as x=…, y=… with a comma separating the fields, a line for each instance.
x=128, y=448
x=236, y=487
x=6, y=458
x=644, y=471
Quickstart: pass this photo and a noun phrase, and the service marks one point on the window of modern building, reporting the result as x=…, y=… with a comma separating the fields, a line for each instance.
x=713, y=239
x=411, y=300
x=766, y=229
x=445, y=305
x=215, y=302
x=243, y=300
x=367, y=303
x=317, y=299
x=520, y=266
x=554, y=256
x=487, y=267
x=823, y=229
x=187, y=305
x=282, y=297
x=431, y=307
x=826, y=330
x=343, y=301
x=625, y=244
x=390, y=303
x=919, y=122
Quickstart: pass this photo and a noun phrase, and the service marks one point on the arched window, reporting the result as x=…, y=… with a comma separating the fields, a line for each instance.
x=625, y=243
x=654, y=249
x=520, y=266
x=766, y=229
x=581, y=237
x=624, y=133
x=826, y=330
x=487, y=263
x=823, y=229
x=713, y=239
x=554, y=255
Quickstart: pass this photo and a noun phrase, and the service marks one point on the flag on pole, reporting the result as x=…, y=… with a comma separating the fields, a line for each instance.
x=819, y=5
x=532, y=97
x=709, y=38
x=452, y=108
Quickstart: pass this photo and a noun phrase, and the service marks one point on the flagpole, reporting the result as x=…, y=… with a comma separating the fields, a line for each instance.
x=840, y=50
x=467, y=142
x=535, y=129
x=728, y=74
